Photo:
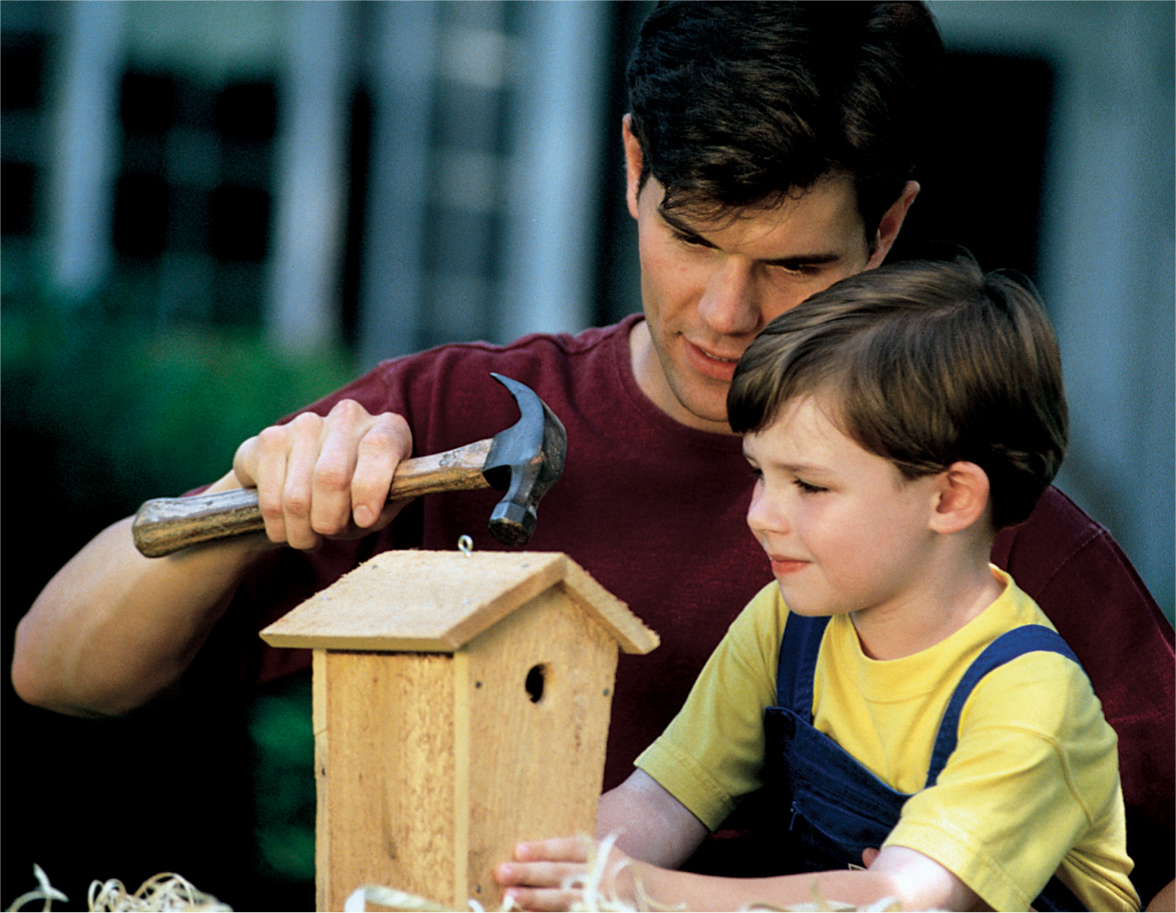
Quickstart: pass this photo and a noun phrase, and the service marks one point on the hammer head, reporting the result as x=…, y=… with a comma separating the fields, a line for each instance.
x=524, y=461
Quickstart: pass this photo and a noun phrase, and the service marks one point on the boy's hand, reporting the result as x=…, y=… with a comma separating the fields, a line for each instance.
x=552, y=874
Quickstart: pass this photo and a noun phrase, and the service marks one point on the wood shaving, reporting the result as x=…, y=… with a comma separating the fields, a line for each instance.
x=44, y=892
x=163, y=892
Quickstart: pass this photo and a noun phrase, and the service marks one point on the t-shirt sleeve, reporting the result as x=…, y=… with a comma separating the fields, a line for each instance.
x=712, y=752
x=1034, y=758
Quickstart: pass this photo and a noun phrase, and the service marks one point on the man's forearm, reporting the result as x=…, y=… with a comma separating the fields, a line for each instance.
x=113, y=629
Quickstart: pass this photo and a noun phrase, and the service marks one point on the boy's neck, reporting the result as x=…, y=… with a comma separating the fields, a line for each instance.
x=950, y=600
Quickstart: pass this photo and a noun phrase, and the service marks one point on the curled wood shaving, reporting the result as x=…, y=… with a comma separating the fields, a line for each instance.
x=163, y=892
x=44, y=892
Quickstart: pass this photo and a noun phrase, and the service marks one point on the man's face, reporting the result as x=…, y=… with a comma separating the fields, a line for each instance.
x=707, y=289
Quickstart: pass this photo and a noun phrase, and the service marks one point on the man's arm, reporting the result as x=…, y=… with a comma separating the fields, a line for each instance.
x=113, y=629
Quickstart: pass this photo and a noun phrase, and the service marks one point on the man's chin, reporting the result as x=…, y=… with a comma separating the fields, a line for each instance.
x=704, y=408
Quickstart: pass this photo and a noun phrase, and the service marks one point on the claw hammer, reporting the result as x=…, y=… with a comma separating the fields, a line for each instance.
x=524, y=460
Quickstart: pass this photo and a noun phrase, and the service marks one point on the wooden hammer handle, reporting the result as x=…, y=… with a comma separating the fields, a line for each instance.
x=166, y=525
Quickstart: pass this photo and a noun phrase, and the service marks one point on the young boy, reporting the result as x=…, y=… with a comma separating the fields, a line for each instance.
x=904, y=702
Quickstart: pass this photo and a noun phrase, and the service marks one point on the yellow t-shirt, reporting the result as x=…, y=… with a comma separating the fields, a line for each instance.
x=1031, y=789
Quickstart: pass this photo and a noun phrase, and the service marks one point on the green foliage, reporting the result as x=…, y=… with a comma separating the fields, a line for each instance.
x=283, y=744
x=155, y=412
x=103, y=410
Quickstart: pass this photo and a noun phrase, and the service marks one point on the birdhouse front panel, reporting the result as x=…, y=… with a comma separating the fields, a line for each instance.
x=386, y=771
x=540, y=691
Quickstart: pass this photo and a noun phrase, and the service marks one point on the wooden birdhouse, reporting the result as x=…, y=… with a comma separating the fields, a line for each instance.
x=461, y=704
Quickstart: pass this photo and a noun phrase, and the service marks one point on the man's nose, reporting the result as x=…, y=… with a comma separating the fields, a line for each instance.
x=730, y=302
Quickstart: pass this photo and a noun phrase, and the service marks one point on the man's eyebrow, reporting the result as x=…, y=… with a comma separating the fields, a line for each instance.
x=681, y=227
x=816, y=258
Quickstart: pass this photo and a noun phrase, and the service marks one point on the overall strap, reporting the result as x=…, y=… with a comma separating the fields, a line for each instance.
x=1017, y=642
x=798, y=663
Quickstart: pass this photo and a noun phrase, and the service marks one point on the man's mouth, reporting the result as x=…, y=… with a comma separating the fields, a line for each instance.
x=711, y=364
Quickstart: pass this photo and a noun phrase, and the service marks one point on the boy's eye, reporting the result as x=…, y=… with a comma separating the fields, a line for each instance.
x=807, y=487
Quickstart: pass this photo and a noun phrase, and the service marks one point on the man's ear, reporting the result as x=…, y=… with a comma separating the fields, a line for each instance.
x=891, y=223
x=634, y=160
x=961, y=497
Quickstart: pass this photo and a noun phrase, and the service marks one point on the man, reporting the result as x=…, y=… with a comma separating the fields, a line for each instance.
x=769, y=152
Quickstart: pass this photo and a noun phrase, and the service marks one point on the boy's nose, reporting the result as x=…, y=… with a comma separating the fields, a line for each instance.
x=730, y=303
x=764, y=514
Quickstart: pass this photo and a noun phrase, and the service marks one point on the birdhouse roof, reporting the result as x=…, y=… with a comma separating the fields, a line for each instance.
x=421, y=601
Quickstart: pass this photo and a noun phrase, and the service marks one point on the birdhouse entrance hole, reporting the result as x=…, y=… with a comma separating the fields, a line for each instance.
x=534, y=683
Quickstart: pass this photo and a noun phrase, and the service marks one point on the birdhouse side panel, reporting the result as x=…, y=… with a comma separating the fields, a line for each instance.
x=386, y=776
x=540, y=693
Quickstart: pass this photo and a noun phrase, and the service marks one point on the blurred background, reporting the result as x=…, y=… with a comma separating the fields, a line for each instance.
x=214, y=213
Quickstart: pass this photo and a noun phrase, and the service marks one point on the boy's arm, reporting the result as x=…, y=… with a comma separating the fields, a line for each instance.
x=648, y=822
x=536, y=881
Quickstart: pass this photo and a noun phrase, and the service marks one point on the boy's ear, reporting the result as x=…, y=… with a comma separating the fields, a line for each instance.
x=961, y=497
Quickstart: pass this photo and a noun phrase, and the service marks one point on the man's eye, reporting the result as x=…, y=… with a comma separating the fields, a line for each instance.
x=692, y=240
x=804, y=270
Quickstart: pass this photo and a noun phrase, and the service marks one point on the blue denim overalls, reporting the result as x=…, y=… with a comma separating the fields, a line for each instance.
x=837, y=807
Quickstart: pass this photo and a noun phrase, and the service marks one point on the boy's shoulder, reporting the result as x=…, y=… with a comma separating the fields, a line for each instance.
x=1027, y=677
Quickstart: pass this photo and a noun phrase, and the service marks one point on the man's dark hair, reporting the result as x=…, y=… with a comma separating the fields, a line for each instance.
x=922, y=363
x=736, y=104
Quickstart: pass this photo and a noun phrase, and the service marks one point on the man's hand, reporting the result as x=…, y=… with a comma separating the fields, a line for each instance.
x=327, y=477
x=553, y=874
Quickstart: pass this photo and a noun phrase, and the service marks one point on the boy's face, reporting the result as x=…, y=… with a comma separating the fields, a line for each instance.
x=707, y=289
x=844, y=531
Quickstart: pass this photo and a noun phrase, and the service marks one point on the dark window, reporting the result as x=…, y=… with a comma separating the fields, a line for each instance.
x=247, y=111
x=16, y=202
x=239, y=223
x=140, y=215
x=147, y=103
x=22, y=61
x=982, y=177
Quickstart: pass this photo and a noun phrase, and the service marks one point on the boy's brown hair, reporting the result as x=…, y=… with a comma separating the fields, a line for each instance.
x=924, y=363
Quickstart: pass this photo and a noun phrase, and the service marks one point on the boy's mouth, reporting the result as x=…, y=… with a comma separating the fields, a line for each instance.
x=783, y=566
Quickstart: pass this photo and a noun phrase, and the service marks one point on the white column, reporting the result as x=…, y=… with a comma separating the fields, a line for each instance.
x=83, y=153
x=555, y=184
x=402, y=95
x=311, y=197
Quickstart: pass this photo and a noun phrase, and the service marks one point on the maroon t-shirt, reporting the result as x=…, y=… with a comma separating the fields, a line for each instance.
x=655, y=512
